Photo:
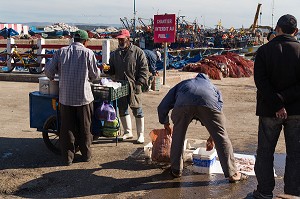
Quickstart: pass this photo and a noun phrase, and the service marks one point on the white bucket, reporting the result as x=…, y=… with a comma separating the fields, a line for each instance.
x=48, y=87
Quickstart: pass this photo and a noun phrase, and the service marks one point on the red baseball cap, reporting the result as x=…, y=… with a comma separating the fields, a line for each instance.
x=123, y=34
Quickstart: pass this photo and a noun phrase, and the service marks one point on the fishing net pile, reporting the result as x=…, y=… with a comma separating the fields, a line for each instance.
x=226, y=65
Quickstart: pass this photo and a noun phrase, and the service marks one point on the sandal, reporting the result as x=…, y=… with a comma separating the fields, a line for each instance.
x=242, y=178
x=176, y=173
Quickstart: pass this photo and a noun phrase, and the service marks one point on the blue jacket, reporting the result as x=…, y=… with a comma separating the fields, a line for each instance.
x=152, y=59
x=198, y=91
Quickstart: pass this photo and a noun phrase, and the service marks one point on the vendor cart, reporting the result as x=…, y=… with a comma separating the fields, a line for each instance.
x=45, y=117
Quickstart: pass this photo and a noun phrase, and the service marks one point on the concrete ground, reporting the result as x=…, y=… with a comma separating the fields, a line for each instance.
x=29, y=170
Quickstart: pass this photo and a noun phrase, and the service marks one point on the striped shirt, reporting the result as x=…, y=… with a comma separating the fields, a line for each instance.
x=76, y=65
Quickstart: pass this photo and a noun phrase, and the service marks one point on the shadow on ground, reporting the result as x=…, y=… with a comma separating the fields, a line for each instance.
x=18, y=153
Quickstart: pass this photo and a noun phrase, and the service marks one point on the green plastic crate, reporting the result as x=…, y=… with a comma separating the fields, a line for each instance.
x=102, y=93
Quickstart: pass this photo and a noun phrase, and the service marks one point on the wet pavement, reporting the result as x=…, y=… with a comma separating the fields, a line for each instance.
x=194, y=185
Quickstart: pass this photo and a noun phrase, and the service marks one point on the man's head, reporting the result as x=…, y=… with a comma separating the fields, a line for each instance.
x=81, y=36
x=123, y=38
x=271, y=35
x=287, y=24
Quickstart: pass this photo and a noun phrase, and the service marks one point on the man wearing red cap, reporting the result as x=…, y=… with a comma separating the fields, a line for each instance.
x=129, y=63
x=277, y=78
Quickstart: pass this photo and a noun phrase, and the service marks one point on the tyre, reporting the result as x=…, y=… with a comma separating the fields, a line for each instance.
x=3, y=64
x=51, y=135
x=36, y=70
x=31, y=66
x=3, y=58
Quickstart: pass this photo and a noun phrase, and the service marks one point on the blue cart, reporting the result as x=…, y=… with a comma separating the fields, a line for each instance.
x=45, y=117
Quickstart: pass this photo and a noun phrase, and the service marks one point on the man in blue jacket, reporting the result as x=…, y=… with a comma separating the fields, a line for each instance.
x=152, y=58
x=277, y=78
x=198, y=99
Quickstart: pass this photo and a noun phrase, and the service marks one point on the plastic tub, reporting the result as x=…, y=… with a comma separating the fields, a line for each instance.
x=190, y=145
x=204, y=161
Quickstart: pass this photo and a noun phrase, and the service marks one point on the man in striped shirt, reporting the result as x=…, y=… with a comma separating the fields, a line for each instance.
x=76, y=66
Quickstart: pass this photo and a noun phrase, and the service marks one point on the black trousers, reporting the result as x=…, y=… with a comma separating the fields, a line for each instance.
x=75, y=130
x=269, y=130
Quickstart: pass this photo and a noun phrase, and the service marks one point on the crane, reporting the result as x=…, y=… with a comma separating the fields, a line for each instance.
x=254, y=25
x=125, y=23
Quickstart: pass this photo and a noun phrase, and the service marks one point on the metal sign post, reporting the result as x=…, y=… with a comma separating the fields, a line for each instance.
x=165, y=62
x=164, y=32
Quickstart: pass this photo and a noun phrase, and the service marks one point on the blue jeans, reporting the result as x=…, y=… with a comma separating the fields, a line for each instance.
x=137, y=112
x=268, y=133
x=123, y=109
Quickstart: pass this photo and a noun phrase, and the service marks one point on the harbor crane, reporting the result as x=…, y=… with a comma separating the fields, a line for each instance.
x=255, y=22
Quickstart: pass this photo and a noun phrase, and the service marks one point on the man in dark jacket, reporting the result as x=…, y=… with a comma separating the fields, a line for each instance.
x=277, y=78
x=129, y=63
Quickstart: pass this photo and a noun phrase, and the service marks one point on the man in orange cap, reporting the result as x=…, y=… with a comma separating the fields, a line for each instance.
x=129, y=63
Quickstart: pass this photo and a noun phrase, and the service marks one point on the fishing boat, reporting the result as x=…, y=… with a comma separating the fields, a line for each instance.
x=250, y=49
x=54, y=33
x=8, y=32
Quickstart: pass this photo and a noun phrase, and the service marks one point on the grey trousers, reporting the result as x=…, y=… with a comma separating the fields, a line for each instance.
x=75, y=128
x=214, y=121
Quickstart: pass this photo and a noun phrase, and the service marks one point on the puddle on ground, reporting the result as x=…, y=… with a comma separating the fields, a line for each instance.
x=195, y=185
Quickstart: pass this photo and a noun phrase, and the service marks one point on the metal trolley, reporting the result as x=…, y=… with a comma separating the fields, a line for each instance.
x=45, y=117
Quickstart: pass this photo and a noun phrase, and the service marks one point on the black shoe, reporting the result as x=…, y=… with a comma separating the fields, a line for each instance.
x=258, y=195
x=67, y=163
x=176, y=173
x=86, y=159
x=96, y=137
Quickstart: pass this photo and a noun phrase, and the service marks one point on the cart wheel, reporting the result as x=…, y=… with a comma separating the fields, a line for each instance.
x=51, y=135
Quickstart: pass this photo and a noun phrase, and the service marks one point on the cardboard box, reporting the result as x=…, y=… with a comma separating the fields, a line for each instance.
x=156, y=83
x=204, y=161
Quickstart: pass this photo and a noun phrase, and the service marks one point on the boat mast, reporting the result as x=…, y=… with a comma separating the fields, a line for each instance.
x=134, y=19
x=273, y=14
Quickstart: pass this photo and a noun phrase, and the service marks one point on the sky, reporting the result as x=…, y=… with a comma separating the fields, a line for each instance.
x=232, y=13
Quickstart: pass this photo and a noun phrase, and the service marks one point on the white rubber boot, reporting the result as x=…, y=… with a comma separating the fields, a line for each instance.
x=140, y=126
x=126, y=123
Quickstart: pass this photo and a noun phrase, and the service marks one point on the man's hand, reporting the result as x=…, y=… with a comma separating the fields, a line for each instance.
x=282, y=114
x=168, y=127
x=138, y=89
x=104, y=67
x=210, y=144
